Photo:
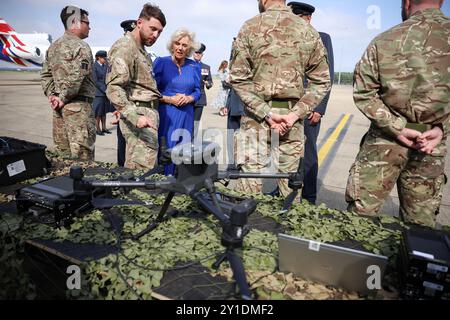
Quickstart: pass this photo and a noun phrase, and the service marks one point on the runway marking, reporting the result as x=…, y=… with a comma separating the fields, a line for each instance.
x=328, y=145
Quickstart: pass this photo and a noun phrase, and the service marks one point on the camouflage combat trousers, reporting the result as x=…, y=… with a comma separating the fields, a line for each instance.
x=256, y=145
x=141, y=144
x=74, y=131
x=381, y=163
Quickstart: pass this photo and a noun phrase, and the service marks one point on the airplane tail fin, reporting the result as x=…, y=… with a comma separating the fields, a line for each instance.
x=12, y=49
x=5, y=28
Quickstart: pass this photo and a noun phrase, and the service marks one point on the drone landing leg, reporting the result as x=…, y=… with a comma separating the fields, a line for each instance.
x=160, y=218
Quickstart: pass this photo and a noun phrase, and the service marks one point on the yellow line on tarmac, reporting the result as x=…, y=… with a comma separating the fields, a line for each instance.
x=323, y=152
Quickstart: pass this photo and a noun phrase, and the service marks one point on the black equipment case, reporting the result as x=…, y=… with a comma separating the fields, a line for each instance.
x=20, y=160
x=424, y=264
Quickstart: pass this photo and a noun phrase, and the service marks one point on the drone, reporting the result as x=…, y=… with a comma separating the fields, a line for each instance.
x=197, y=171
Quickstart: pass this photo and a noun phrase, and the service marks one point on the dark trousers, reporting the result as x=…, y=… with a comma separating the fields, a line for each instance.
x=120, y=148
x=198, y=110
x=233, y=123
x=311, y=167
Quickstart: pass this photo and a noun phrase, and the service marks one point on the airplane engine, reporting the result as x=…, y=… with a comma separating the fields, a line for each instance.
x=29, y=53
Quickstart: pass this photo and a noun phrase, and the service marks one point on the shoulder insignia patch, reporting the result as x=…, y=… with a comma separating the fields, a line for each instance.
x=84, y=65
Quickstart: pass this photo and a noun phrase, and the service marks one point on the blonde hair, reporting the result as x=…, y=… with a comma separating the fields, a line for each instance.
x=181, y=33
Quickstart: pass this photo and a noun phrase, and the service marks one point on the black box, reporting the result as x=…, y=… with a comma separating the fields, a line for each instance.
x=48, y=263
x=425, y=263
x=20, y=160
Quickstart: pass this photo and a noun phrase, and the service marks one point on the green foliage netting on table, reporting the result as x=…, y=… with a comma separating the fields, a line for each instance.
x=179, y=240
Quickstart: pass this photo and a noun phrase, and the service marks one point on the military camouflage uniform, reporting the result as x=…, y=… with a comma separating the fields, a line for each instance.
x=401, y=81
x=133, y=91
x=67, y=73
x=274, y=52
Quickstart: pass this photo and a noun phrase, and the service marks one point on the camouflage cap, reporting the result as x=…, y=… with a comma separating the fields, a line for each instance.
x=128, y=25
x=301, y=8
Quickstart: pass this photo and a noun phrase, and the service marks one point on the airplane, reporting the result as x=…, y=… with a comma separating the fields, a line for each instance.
x=27, y=51
x=22, y=50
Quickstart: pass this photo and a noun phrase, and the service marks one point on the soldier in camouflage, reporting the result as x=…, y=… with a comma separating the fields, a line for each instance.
x=67, y=81
x=402, y=86
x=133, y=91
x=275, y=51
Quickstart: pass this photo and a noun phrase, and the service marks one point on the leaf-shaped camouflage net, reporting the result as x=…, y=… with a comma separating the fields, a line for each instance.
x=183, y=248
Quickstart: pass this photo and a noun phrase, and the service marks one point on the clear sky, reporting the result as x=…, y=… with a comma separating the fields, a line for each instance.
x=352, y=24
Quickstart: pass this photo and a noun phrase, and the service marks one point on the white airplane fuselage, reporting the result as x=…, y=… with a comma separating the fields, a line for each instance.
x=27, y=51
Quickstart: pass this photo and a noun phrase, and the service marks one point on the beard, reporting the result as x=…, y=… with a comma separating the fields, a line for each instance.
x=261, y=7
x=405, y=13
x=146, y=41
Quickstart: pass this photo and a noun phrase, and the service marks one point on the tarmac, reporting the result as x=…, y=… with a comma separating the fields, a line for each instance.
x=26, y=114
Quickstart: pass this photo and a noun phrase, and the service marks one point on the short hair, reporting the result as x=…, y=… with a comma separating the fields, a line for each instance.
x=152, y=11
x=424, y=1
x=181, y=33
x=69, y=11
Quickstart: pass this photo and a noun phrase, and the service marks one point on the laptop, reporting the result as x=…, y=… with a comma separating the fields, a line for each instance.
x=348, y=269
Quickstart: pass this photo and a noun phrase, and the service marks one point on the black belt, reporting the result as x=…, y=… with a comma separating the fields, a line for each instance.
x=82, y=99
x=147, y=104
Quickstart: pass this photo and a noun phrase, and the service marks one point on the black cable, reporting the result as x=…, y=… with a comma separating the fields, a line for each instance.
x=117, y=254
x=132, y=261
x=122, y=277
x=261, y=250
x=7, y=224
x=262, y=277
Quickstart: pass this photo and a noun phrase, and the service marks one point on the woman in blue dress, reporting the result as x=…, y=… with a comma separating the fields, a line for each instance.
x=178, y=80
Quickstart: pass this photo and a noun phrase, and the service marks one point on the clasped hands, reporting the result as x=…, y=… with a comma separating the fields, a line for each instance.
x=180, y=100
x=282, y=124
x=423, y=142
x=55, y=102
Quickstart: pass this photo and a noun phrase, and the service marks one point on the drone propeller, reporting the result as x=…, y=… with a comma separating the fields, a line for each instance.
x=104, y=203
x=295, y=183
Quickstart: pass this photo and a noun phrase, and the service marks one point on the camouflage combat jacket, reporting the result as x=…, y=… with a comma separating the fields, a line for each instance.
x=404, y=75
x=273, y=53
x=67, y=70
x=130, y=77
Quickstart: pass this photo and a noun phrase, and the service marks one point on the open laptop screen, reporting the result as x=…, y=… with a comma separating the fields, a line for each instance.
x=341, y=267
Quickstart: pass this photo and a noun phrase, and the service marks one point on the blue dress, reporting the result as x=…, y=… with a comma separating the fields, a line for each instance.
x=170, y=82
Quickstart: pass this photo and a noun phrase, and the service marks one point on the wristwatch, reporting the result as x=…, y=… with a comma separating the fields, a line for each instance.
x=269, y=115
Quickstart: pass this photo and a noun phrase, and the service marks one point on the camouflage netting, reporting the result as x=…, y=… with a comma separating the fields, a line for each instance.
x=187, y=243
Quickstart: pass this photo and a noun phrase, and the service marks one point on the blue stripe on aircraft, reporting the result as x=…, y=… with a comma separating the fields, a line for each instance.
x=35, y=63
x=4, y=57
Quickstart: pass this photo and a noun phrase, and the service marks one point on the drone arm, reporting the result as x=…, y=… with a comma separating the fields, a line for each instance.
x=214, y=207
x=131, y=184
x=118, y=184
x=238, y=175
